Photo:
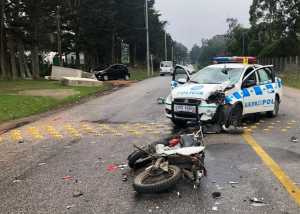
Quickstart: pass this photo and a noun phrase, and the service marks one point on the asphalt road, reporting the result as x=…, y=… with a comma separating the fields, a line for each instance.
x=76, y=151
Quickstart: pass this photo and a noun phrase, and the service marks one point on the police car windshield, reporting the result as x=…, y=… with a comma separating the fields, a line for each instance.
x=216, y=75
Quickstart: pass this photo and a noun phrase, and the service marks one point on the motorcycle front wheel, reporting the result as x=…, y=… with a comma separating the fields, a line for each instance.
x=146, y=182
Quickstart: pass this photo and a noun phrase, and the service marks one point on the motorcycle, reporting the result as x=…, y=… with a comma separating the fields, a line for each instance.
x=166, y=162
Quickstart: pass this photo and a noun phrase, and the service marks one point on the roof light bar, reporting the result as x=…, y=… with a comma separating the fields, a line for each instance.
x=235, y=59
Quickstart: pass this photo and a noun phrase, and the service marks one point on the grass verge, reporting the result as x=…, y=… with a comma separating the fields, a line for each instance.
x=291, y=79
x=140, y=74
x=14, y=106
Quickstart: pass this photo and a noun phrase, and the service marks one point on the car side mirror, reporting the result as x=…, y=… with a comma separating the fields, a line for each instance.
x=182, y=80
x=248, y=83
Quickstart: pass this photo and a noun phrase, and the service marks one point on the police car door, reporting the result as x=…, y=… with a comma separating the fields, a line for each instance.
x=267, y=99
x=180, y=76
x=251, y=91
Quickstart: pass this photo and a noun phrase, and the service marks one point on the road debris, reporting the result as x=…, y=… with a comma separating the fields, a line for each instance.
x=77, y=194
x=179, y=195
x=112, y=167
x=124, y=177
x=214, y=208
x=122, y=166
x=233, y=182
x=67, y=178
x=17, y=181
x=161, y=100
x=219, y=187
x=294, y=139
x=70, y=206
x=257, y=202
x=216, y=195
x=41, y=164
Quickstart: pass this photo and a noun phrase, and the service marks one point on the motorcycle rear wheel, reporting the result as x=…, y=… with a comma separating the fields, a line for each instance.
x=142, y=182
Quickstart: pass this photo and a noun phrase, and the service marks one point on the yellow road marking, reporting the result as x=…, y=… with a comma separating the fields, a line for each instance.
x=289, y=185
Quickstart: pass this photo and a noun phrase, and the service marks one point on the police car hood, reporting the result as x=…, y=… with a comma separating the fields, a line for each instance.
x=194, y=90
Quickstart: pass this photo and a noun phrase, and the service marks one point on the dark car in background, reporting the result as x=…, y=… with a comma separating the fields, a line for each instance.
x=113, y=72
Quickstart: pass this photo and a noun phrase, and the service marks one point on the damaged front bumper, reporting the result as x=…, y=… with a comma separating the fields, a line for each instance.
x=210, y=113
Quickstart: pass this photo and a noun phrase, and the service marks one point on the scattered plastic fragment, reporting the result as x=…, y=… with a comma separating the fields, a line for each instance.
x=77, y=194
x=294, y=139
x=67, y=178
x=124, y=177
x=219, y=187
x=21, y=141
x=233, y=182
x=112, y=167
x=214, y=208
x=257, y=202
x=17, y=181
x=41, y=164
x=161, y=100
x=70, y=206
x=216, y=195
x=179, y=195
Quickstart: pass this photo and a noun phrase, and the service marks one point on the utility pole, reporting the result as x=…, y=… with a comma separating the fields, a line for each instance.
x=166, y=49
x=243, y=35
x=152, y=70
x=59, y=36
x=172, y=52
x=147, y=37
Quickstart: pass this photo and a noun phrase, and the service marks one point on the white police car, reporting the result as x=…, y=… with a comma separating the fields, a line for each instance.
x=223, y=93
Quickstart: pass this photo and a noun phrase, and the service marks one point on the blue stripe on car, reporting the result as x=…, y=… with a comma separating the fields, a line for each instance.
x=237, y=95
x=258, y=90
x=246, y=93
x=228, y=100
x=269, y=86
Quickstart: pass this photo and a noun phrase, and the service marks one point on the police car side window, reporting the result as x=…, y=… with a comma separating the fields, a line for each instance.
x=264, y=76
x=252, y=76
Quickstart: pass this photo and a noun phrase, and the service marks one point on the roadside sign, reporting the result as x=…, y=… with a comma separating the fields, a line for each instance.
x=125, y=58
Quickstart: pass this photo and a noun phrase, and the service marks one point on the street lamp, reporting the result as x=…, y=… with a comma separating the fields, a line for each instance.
x=147, y=37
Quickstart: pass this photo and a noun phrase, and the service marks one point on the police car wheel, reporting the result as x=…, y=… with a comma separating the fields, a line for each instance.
x=105, y=78
x=236, y=116
x=274, y=113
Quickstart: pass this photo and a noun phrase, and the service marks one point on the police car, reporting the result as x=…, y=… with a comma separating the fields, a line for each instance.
x=224, y=92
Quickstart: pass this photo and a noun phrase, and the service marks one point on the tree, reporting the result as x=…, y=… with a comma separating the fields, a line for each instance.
x=195, y=54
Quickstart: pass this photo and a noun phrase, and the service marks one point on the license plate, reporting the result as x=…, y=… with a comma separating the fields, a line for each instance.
x=183, y=108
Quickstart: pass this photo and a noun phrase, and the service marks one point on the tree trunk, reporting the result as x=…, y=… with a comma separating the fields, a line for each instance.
x=113, y=39
x=35, y=62
x=3, y=71
x=12, y=54
x=24, y=70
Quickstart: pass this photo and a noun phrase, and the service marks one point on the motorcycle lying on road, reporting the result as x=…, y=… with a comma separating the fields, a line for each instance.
x=165, y=163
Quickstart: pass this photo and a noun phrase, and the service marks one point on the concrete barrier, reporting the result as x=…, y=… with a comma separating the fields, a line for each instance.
x=75, y=81
x=59, y=72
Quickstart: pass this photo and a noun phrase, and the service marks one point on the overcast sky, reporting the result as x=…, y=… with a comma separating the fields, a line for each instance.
x=192, y=20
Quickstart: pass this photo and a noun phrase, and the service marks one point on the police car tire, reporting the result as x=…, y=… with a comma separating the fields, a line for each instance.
x=274, y=113
x=105, y=78
x=237, y=112
x=126, y=77
x=162, y=74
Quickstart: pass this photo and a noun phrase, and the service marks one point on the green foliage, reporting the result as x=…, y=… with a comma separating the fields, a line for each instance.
x=95, y=28
x=215, y=46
